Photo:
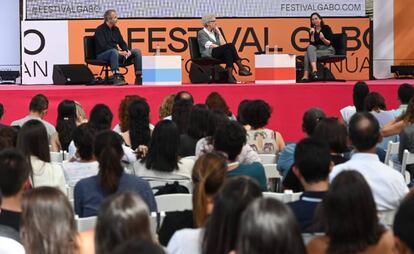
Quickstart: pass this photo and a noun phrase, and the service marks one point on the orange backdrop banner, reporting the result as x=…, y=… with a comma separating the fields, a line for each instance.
x=249, y=35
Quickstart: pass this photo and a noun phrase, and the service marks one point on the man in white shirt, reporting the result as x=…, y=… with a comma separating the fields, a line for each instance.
x=37, y=110
x=387, y=185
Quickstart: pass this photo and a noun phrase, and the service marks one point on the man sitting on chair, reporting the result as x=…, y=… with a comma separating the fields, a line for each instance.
x=111, y=48
x=212, y=44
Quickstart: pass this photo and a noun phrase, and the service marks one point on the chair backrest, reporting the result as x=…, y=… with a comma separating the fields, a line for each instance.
x=194, y=47
x=174, y=202
x=392, y=149
x=408, y=158
x=57, y=157
x=156, y=220
x=339, y=43
x=387, y=217
x=286, y=197
x=271, y=171
x=85, y=224
x=267, y=158
x=89, y=47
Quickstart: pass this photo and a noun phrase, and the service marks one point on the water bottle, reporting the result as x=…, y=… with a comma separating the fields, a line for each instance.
x=275, y=49
x=157, y=50
x=267, y=50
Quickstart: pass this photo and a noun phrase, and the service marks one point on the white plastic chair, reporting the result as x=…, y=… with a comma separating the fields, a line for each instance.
x=158, y=183
x=387, y=217
x=57, y=157
x=286, y=197
x=174, y=202
x=267, y=158
x=408, y=159
x=85, y=224
x=392, y=149
x=155, y=225
x=273, y=177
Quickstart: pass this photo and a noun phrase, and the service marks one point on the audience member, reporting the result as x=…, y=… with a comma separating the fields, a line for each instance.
x=205, y=145
x=349, y=216
x=48, y=223
x=9, y=238
x=267, y=227
x=86, y=164
x=1, y=115
x=398, y=124
x=360, y=91
x=123, y=114
x=312, y=167
x=139, y=129
x=208, y=176
x=405, y=93
x=141, y=246
x=37, y=110
x=32, y=142
x=387, y=185
x=90, y=192
x=14, y=181
x=122, y=217
x=215, y=101
x=333, y=132
x=165, y=109
x=263, y=140
x=229, y=138
x=240, y=111
x=403, y=226
x=8, y=137
x=181, y=114
x=65, y=125
x=80, y=114
x=162, y=161
x=197, y=129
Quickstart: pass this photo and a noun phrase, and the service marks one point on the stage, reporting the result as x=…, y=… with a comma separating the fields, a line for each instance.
x=289, y=101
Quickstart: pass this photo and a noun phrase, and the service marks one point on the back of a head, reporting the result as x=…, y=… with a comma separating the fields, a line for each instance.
x=208, y=175
x=198, y=125
x=140, y=246
x=121, y=217
x=233, y=198
x=32, y=140
x=39, y=103
x=269, y=227
x=229, y=138
x=333, y=132
x=48, y=222
x=100, y=117
x=215, y=118
x=84, y=138
x=403, y=222
x=405, y=93
x=364, y=131
x=374, y=101
x=123, y=114
x=139, y=131
x=240, y=110
x=311, y=119
x=184, y=95
x=14, y=172
x=165, y=108
x=108, y=151
x=312, y=158
x=256, y=113
x=215, y=101
x=350, y=215
x=66, y=122
x=163, y=149
x=8, y=137
x=360, y=91
x=181, y=115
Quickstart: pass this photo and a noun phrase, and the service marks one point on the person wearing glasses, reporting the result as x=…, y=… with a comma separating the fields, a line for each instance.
x=212, y=44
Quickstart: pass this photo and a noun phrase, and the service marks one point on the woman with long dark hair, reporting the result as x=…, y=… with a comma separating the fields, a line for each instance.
x=359, y=92
x=48, y=223
x=122, y=217
x=269, y=227
x=349, y=216
x=33, y=143
x=65, y=124
x=138, y=133
x=90, y=192
x=162, y=161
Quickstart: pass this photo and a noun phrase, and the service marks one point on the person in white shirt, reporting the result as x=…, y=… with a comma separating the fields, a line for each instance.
x=387, y=185
x=212, y=44
x=37, y=110
x=360, y=91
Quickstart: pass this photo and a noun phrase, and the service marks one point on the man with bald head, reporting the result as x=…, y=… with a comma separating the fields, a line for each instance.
x=387, y=184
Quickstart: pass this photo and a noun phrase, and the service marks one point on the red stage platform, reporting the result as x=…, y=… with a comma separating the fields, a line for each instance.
x=288, y=101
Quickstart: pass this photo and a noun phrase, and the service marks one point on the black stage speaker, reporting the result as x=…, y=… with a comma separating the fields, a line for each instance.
x=71, y=74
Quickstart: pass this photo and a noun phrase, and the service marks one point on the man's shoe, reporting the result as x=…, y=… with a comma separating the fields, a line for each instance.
x=231, y=80
x=244, y=72
x=138, y=80
x=119, y=80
